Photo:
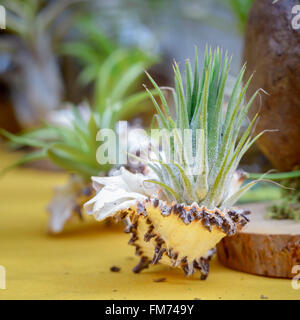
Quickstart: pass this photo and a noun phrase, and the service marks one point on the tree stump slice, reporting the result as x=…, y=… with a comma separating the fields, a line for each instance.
x=265, y=247
x=272, y=53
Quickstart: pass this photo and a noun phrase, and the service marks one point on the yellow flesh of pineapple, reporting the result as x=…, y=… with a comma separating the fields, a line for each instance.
x=177, y=235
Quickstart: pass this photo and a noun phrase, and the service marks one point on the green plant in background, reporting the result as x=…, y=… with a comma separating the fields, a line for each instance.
x=115, y=71
x=73, y=147
x=288, y=204
x=115, y=91
x=240, y=9
x=93, y=47
x=35, y=28
x=261, y=193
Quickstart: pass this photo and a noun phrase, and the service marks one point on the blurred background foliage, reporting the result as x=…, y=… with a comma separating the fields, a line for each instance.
x=58, y=51
x=28, y=61
x=52, y=50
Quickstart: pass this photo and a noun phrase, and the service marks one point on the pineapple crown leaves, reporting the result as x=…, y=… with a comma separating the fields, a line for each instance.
x=218, y=150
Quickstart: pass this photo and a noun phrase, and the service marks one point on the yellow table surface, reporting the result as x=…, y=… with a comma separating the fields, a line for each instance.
x=76, y=264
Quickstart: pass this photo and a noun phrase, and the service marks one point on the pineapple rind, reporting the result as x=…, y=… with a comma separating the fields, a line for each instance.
x=178, y=235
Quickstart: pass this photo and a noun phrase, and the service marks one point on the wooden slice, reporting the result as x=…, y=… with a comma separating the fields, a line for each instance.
x=265, y=247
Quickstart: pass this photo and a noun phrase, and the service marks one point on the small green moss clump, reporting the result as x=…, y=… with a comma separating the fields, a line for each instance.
x=289, y=207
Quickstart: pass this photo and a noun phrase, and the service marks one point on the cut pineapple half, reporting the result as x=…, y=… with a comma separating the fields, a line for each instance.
x=177, y=235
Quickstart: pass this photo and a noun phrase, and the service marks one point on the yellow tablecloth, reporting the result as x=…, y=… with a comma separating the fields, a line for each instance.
x=76, y=264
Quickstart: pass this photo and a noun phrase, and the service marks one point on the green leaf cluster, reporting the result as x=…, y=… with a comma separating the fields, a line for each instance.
x=199, y=104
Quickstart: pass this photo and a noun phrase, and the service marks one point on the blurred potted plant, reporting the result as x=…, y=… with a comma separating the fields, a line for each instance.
x=92, y=46
x=69, y=141
x=34, y=30
x=92, y=49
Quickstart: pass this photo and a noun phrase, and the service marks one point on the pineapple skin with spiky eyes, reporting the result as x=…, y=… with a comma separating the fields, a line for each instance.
x=177, y=235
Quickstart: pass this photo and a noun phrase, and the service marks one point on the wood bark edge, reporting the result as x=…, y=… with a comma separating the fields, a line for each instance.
x=272, y=255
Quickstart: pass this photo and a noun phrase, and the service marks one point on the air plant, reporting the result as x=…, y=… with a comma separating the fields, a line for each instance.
x=35, y=29
x=185, y=208
x=69, y=142
x=71, y=148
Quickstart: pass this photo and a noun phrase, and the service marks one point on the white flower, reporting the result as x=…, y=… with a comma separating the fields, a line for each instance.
x=118, y=192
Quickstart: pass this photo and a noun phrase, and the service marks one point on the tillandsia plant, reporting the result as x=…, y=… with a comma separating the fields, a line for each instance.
x=69, y=141
x=70, y=147
x=177, y=215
